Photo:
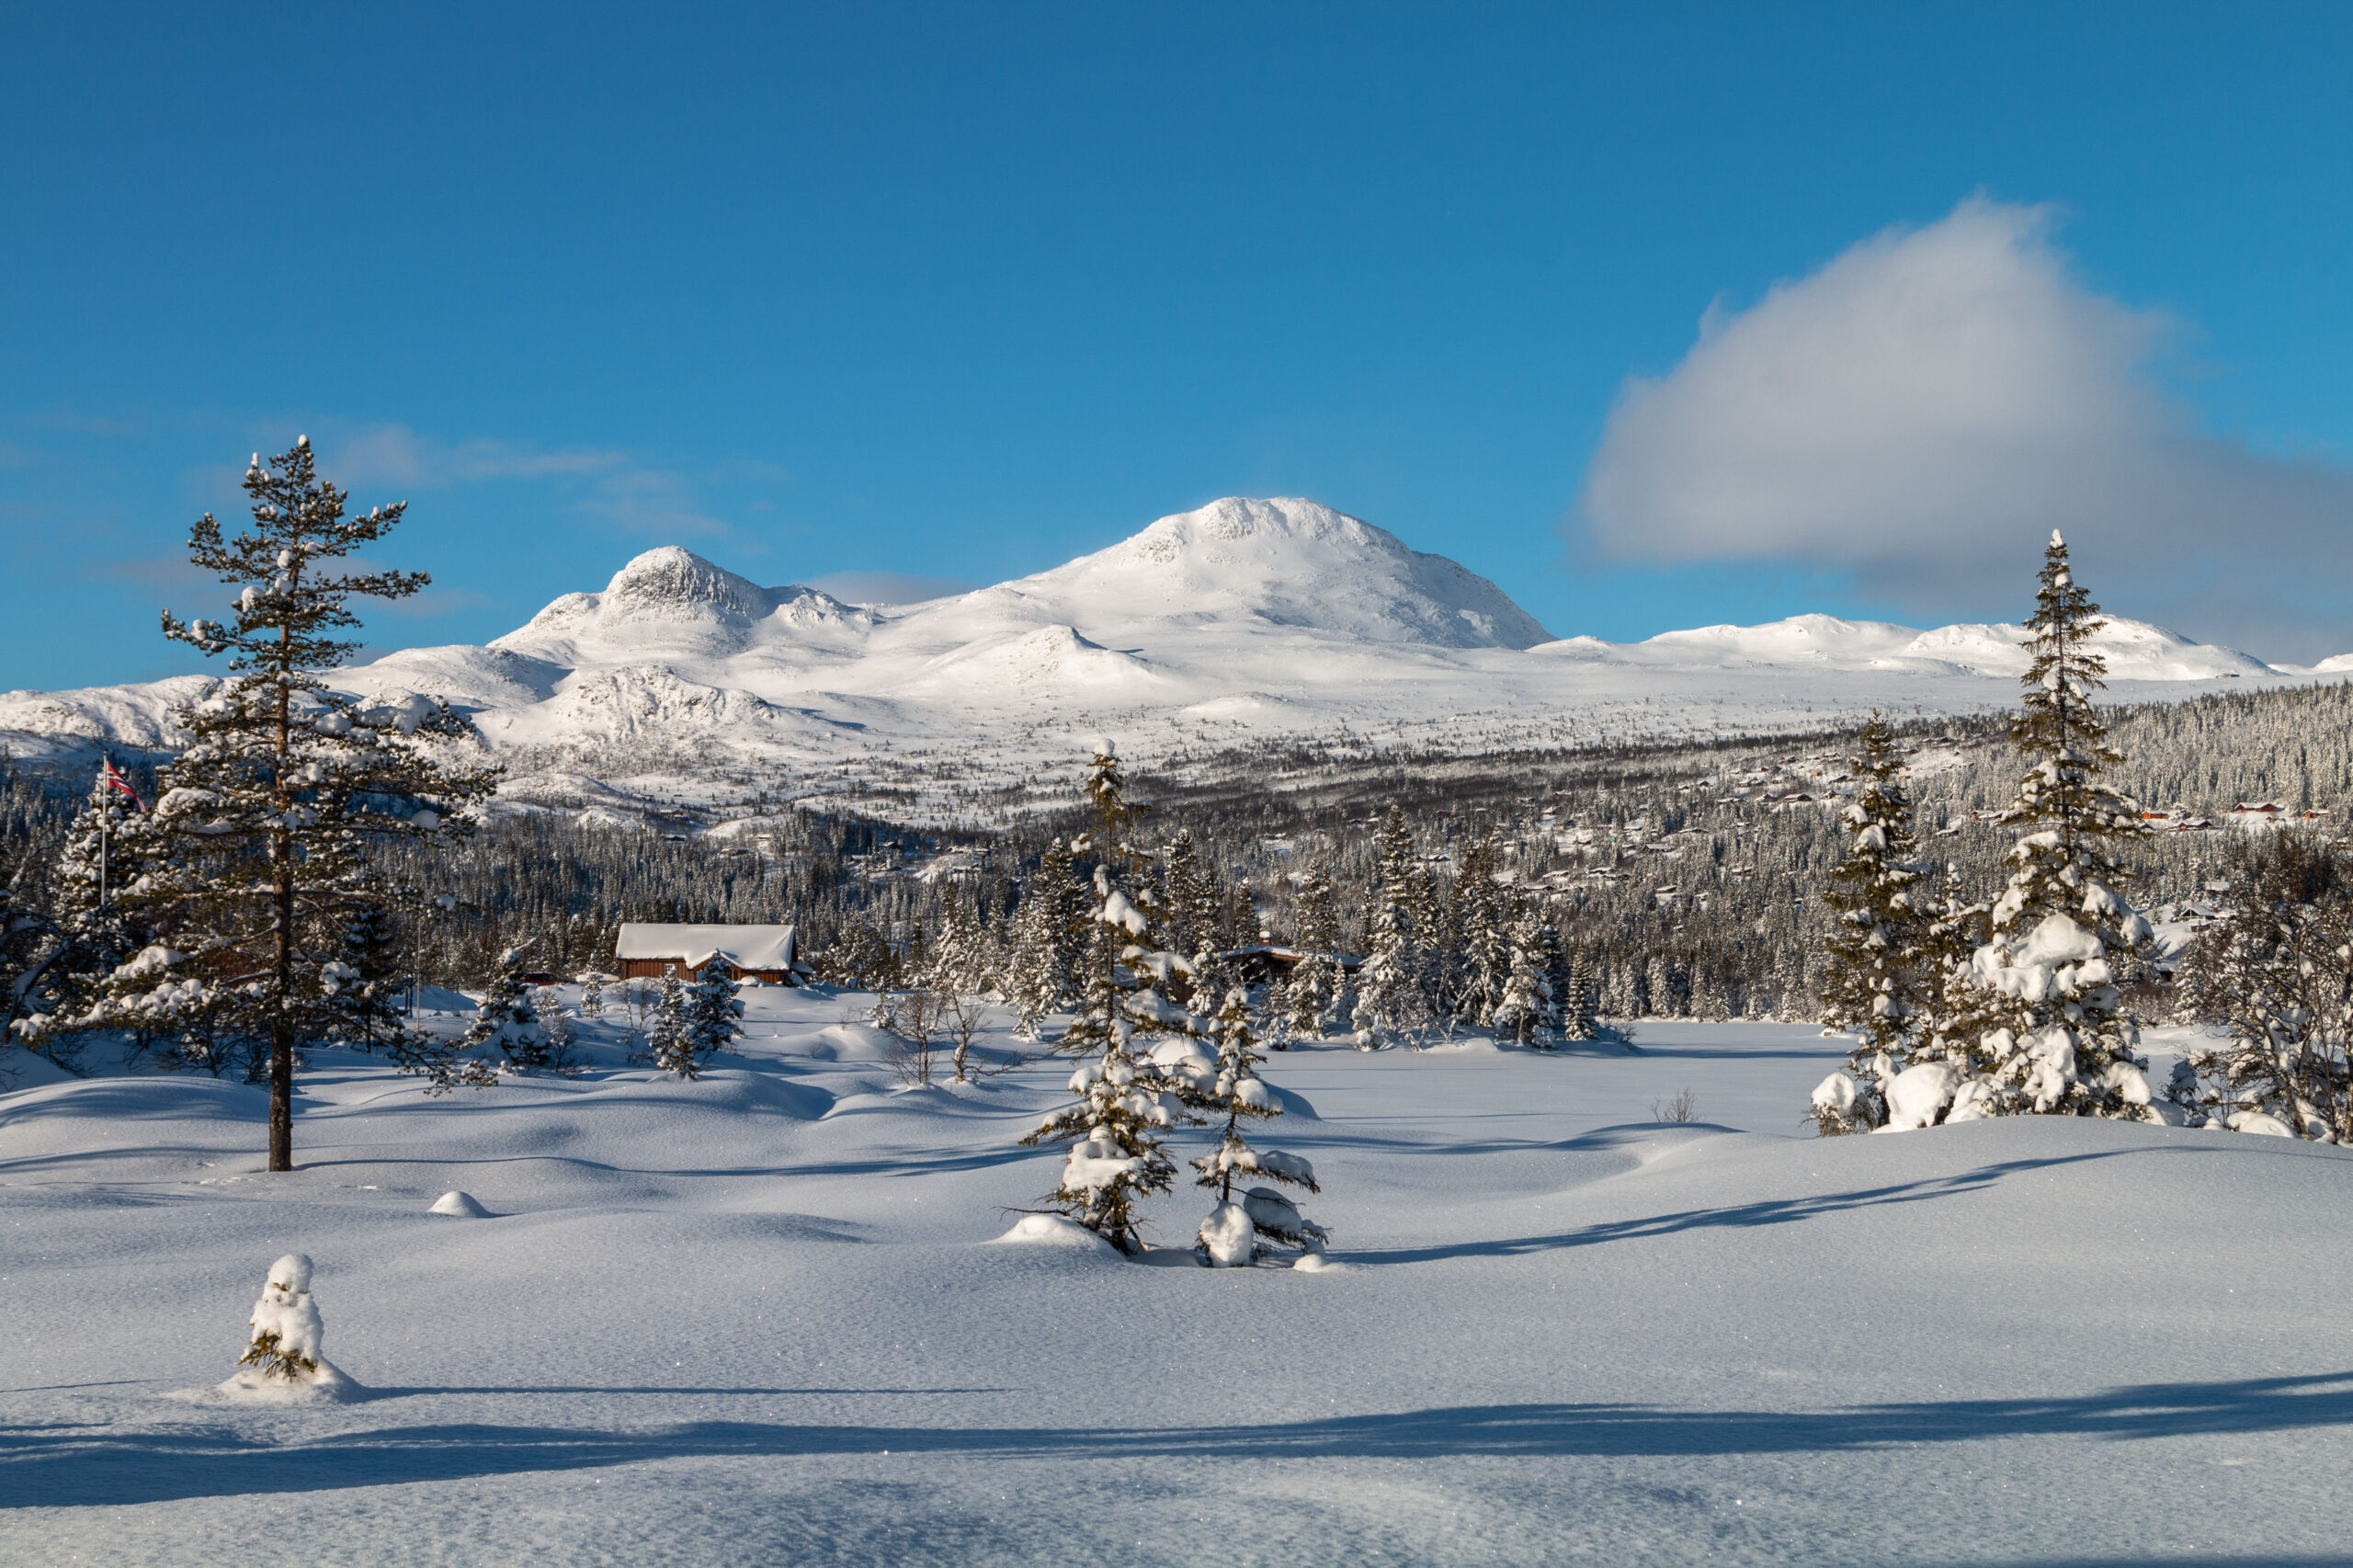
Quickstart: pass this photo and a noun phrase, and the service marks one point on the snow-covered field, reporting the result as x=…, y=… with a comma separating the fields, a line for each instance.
x=760, y=1319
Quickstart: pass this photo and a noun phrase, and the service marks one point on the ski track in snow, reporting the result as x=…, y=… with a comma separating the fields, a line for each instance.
x=1243, y=622
x=754, y=1319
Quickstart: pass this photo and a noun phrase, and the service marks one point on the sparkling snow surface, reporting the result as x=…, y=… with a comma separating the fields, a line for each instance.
x=765, y=1318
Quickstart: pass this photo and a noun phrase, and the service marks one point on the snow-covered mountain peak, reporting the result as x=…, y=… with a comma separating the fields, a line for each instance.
x=670, y=600
x=1285, y=562
x=673, y=584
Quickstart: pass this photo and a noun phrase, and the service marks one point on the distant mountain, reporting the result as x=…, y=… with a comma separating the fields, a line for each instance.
x=1244, y=621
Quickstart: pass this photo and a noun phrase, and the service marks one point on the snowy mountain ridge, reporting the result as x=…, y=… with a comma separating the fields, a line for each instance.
x=1241, y=623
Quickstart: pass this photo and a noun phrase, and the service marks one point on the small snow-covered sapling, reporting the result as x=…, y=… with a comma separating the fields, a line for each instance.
x=287, y=1328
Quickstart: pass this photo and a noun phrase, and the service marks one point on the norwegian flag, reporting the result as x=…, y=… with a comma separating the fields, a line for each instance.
x=111, y=776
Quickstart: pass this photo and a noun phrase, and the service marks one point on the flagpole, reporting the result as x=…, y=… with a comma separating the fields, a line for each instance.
x=105, y=815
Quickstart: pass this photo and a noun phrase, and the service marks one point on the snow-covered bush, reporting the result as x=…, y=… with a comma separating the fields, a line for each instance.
x=284, y=1351
x=592, y=991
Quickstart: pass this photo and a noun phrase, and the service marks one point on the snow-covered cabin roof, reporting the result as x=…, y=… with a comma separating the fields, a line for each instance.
x=746, y=947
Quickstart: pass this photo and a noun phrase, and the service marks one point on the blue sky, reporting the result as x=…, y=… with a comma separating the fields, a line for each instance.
x=963, y=291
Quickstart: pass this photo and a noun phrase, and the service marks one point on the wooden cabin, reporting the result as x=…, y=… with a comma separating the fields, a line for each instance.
x=765, y=953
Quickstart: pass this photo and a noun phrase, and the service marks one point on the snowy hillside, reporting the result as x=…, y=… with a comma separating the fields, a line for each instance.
x=1242, y=621
x=763, y=1318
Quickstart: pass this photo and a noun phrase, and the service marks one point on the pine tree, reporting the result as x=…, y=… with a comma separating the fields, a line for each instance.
x=1275, y=1011
x=960, y=959
x=592, y=991
x=2274, y=975
x=1241, y=1232
x=1314, y=983
x=1524, y=1011
x=1482, y=929
x=1049, y=936
x=370, y=978
x=669, y=1036
x=1579, y=1014
x=1559, y=971
x=1116, y=1157
x=1390, y=1001
x=1876, y=982
x=507, y=1027
x=2035, y=1021
x=266, y=820
x=713, y=1013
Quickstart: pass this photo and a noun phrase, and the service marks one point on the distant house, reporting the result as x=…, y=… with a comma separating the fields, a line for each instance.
x=1262, y=963
x=752, y=952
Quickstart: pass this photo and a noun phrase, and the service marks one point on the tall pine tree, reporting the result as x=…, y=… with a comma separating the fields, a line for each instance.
x=2036, y=1022
x=265, y=821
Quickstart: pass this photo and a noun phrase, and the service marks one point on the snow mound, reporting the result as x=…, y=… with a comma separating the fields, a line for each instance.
x=1055, y=1230
x=854, y=1042
x=459, y=1205
x=1051, y=655
x=332, y=1386
x=1317, y=1262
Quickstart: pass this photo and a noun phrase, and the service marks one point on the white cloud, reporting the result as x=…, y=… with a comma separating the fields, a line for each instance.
x=658, y=503
x=1924, y=409
x=394, y=454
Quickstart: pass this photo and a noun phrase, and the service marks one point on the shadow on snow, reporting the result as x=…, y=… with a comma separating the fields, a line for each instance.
x=42, y=1466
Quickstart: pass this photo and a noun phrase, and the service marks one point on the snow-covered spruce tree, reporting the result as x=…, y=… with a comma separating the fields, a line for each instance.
x=1116, y=1157
x=62, y=948
x=713, y=1013
x=2274, y=977
x=1876, y=982
x=264, y=823
x=372, y=977
x=1481, y=925
x=1189, y=901
x=2036, y=1024
x=1243, y=1233
x=1049, y=935
x=1580, y=1013
x=1558, y=967
x=1524, y=1012
x=286, y=1348
x=1428, y=949
x=1389, y=1002
x=1315, y=983
x=507, y=1029
x=1274, y=1012
x=669, y=1040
